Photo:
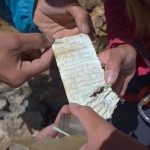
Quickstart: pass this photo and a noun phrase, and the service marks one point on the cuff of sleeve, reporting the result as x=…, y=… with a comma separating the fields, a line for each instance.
x=116, y=42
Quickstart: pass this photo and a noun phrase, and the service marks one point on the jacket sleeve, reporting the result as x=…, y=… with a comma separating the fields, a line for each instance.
x=121, y=30
x=19, y=13
x=118, y=24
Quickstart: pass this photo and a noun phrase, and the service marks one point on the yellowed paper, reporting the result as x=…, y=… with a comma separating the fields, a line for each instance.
x=82, y=74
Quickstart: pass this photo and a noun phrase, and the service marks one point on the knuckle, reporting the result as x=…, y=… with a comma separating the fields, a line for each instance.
x=38, y=39
x=84, y=13
x=14, y=42
x=16, y=81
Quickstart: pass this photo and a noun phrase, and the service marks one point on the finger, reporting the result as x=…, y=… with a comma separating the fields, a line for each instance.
x=126, y=82
x=37, y=66
x=48, y=131
x=118, y=85
x=104, y=56
x=125, y=85
x=84, y=147
x=112, y=64
x=35, y=55
x=34, y=41
x=112, y=68
x=65, y=109
x=29, y=56
x=66, y=32
x=81, y=17
x=95, y=126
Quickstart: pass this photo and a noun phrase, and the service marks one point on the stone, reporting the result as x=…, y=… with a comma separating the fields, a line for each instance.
x=4, y=137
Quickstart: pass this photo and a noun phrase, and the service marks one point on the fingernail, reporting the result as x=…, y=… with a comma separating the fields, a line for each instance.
x=85, y=28
x=110, y=77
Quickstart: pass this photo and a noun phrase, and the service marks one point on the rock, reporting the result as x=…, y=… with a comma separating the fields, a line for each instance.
x=89, y=4
x=96, y=20
x=4, y=88
x=17, y=108
x=15, y=146
x=3, y=113
x=3, y=103
x=20, y=125
x=4, y=137
x=99, y=10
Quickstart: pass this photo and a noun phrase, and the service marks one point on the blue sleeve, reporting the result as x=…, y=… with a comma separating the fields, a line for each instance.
x=19, y=13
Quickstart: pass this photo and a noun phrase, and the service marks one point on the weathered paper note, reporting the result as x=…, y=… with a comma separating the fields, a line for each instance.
x=82, y=74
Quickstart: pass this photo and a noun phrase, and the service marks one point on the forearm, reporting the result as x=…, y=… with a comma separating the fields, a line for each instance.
x=119, y=140
x=111, y=138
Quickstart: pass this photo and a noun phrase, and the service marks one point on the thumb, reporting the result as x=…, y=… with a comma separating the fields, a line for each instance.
x=112, y=61
x=81, y=17
x=104, y=56
x=95, y=126
x=37, y=66
x=34, y=41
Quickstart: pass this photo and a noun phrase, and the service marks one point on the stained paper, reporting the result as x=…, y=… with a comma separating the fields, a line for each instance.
x=82, y=74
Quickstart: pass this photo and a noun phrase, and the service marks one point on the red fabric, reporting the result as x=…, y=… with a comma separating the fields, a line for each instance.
x=121, y=31
x=139, y=96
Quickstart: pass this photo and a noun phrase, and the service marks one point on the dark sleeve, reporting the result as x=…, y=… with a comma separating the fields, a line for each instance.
x=118, y=24
x=121, y=30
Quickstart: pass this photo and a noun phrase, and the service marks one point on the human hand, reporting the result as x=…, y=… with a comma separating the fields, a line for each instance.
x=61, y=18
x=100, y=134
x=21, y=58
x=120, y=66
x=90, y=120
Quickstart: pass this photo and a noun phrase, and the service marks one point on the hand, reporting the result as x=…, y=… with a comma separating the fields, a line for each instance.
x=61, y=18
x=100, y=134
x=21, y=58
x=92, y=125
x=120, y=66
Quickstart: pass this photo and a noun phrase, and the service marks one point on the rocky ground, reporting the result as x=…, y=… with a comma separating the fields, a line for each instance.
x=27, y=109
